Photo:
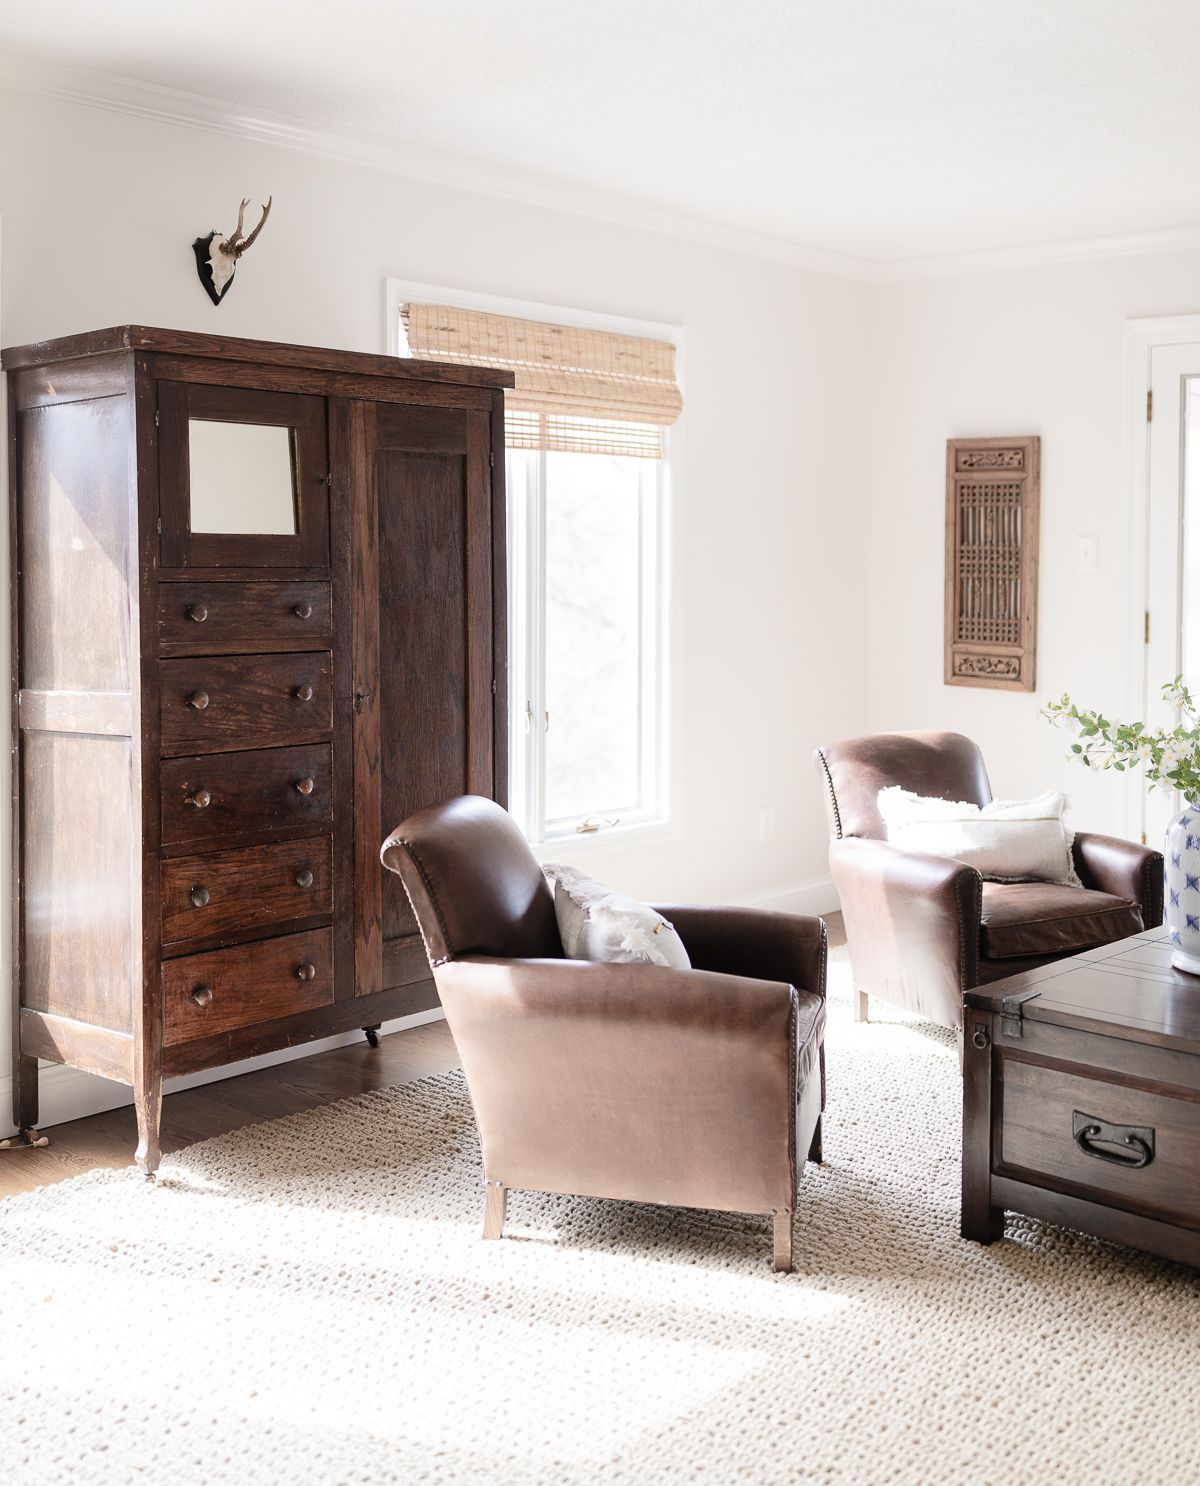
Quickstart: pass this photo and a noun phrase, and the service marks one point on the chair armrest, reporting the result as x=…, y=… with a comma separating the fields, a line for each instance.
x=1123, y=868
x=631, y=1081
x=912, y=924
x=751, y=941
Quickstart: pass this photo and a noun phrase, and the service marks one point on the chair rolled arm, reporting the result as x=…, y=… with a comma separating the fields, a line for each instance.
x=632, y=1081
x=754, y=942
x=630, y=999
x=912, y=924
x=1124, y=868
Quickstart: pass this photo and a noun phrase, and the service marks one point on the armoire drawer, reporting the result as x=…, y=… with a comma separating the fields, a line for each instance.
x=212, y=797
x=213, y=614
x=220, y=702
x=254, y=887
x=252, y=983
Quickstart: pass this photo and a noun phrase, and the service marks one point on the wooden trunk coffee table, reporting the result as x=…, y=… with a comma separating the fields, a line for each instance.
x=1081, y=1099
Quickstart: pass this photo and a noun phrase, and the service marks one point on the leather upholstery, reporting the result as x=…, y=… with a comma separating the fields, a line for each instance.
x=700, y=1087
x=750, y=941
x=923, y=929
x=937, y=765
x=1042, y=918
x=1124, y=869
x=912, y=925
x=632, y=1081
x=474, y=885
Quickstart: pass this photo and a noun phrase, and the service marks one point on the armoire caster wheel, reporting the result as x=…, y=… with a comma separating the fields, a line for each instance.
x=28, y=1140
x=372, y=1034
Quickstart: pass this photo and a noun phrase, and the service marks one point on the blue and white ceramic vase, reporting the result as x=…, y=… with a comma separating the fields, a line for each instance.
x=1181, y=904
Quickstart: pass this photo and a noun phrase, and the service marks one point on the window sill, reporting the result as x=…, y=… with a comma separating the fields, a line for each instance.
x=607, y=840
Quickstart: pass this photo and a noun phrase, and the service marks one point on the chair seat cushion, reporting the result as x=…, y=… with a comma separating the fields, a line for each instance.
x=1042, y=918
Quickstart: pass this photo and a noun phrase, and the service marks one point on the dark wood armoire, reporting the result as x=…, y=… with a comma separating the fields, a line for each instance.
x=258, y=617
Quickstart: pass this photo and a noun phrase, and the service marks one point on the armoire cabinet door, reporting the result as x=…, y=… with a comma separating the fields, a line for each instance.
x=425, y=647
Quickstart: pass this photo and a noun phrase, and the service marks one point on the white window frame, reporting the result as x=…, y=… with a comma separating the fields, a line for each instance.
x=659, y=651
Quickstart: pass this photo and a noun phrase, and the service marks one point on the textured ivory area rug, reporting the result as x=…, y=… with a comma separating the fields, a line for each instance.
x=308, y=1302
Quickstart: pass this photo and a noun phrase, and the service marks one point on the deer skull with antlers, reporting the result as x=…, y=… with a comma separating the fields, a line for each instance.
x=217, y=255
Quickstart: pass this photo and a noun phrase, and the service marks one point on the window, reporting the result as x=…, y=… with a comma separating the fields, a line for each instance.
x=588, y=511
x=587, y=663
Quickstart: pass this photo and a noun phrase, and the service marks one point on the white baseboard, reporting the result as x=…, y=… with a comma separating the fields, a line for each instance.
x=812, y=895
x=68, y=1094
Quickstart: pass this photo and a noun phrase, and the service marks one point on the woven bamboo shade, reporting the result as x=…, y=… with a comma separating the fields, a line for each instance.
x=585, y=391
x=992, y=500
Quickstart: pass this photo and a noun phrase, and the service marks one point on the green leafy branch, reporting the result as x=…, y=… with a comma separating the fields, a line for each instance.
x=1170, y=757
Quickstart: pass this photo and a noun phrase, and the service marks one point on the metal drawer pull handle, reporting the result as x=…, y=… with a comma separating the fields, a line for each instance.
x=202, y=995
x=305, y=786
x=303, y=693
x=199, y=897
x=302, y=611
x=304, y=877
x=201, y=798
x=197, y=612
x=306, y=971
x=199, y=700
x=1138, y=1140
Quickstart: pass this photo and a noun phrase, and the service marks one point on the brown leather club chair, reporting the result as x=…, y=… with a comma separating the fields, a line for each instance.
x=696, y=1088
x=924, y=929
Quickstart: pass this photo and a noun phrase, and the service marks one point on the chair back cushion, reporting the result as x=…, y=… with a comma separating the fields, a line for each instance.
x=943, y=765
x=474, y=885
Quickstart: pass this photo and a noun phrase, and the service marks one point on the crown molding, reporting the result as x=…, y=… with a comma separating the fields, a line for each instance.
x=1038, y=255
x=413, y=162
x=441, y=168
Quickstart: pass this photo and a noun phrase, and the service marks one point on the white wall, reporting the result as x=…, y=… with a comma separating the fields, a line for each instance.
x=99, y=211
x=1029, y=351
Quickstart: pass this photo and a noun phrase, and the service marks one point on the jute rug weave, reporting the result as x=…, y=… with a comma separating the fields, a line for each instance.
x=308, y=1302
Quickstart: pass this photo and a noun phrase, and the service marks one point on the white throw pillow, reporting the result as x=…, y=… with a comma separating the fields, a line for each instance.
x=1006, y=841
x=596, y=923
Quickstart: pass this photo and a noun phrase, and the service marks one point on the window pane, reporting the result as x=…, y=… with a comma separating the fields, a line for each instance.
x=593, y=526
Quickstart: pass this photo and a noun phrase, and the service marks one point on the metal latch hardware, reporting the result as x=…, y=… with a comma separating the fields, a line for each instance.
x=1011, y=1012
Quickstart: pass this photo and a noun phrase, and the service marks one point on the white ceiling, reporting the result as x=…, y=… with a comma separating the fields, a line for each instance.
x=885, y=129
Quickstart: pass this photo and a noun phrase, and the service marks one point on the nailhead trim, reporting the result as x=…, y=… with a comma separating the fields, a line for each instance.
x=837, y=814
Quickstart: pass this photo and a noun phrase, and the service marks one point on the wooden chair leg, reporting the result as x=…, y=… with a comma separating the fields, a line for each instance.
x=814, y=1149
x=783, y=1243
x=861, y=1009
x=495, y=1202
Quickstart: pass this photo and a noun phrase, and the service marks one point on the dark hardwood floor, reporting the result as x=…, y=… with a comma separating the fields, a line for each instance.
x=109, y=1139
x=195, y=1114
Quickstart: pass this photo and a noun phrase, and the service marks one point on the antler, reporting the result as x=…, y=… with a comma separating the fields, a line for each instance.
x=235, y=246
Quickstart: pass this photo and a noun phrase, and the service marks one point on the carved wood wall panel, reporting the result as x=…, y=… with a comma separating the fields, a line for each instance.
x=992, y=498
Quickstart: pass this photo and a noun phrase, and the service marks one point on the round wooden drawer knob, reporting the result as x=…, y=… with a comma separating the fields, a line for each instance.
x=199, y=897
x=304, y=693
x=304, y=877
x=305, y=786
x=302, y=611
x=202, y=995
x=197, y=612
x=201, y=798
x=199, y=700
x=306, y=971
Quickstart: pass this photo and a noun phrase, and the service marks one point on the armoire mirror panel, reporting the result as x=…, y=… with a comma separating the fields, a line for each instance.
x=242, y=478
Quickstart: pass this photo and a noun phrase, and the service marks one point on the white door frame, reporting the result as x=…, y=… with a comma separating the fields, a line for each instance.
x=1142, y=338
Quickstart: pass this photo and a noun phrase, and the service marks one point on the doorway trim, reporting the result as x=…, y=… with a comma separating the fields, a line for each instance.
x=1142, y=337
